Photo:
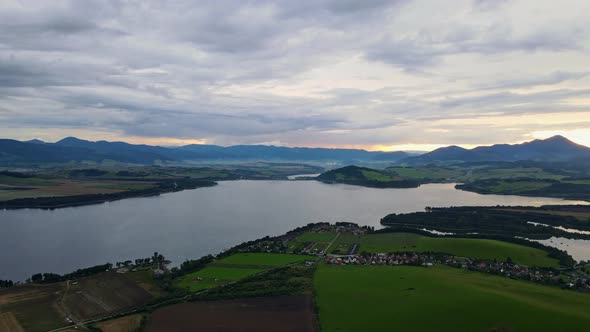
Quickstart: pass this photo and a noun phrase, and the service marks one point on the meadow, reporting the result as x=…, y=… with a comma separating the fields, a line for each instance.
x=405, y=298
x=474, y=248
x=213, y=276
x=233, y=268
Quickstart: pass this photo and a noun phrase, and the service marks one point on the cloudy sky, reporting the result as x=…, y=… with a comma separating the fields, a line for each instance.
x=380, y=75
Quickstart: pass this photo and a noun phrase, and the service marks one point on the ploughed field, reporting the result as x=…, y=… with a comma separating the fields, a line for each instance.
x=31, y=308
x=45, y=307
x=272, y=314
x=407, y=298
x=103, y=294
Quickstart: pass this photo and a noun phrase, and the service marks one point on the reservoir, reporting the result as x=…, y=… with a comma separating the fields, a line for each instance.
x=193, y=223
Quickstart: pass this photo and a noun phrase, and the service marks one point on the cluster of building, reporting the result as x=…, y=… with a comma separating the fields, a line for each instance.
x=411, y=258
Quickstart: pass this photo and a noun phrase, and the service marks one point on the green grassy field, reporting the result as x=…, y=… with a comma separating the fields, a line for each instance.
x=475, y=248
x=262, y=259
x=343, y=243
x=515, y=172
x=316, y=237
x=213, y=276
x=435, y=173
x=582, y=216
x=515, y=187
x=322, y=240
x=235, y=267
x=378, y=176
x=382, y=298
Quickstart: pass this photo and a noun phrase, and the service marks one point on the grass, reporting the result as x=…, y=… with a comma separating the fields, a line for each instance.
x=582, y=216
x=213, y=276
x=288, y=280
x=515, y=187
x=262, y=259
x=322, y=240
x=316, y=237
x=235, y=267
x=514, y=172
x=377, y=176
x=343, y=244
x=383, y=298
x=435, y=173
x=474, y=248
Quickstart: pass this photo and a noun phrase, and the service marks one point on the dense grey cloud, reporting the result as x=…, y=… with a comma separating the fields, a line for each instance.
x=329, y=72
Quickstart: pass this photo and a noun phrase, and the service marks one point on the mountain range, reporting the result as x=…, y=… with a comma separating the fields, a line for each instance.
x=556, y=148
x=75, y=149
x=553, y=149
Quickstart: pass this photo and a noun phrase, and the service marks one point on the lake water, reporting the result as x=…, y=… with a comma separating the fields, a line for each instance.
x=193, y=223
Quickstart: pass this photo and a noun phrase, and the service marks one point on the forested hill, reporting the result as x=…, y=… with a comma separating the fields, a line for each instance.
x=367, y=177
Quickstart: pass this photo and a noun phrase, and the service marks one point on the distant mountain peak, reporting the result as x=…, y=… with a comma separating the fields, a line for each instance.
x=558, y=139
x=555, y=148
x=35, y=141
x=71, y=139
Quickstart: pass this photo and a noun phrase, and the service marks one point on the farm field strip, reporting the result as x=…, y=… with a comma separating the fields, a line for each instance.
x=399, y=298
x=235, y=267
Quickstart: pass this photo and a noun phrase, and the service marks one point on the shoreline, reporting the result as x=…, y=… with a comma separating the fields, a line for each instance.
x=58, y=202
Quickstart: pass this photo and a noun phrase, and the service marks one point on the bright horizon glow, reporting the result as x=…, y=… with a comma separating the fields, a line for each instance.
x=581, y=136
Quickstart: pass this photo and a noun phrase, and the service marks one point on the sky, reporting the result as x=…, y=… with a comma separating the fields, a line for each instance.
x=371, y=74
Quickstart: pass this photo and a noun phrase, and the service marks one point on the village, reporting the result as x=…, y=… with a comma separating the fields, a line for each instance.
x=575, y=278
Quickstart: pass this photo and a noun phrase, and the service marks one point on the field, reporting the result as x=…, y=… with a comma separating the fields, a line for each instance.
x=123, y=324
x=262, y=259
x=233, y=268
x=145, y=280
x=583, y=216
x=213, y=276
x=344, y=243
x=314, y=242
x=383, y=298
x=9, y=323
x=511, y=187
x=32, y=308
x=276, y=314
x=423, y=173
x=288, y=280
x=103, y=294
x=512, y=173
x=475, y=248
x=36, y=187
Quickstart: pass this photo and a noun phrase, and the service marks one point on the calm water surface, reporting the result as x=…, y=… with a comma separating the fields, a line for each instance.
x=194, y=223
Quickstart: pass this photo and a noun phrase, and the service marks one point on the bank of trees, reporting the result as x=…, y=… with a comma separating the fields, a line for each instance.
x=6, y=283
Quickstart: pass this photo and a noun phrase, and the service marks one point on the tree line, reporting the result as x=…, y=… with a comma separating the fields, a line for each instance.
x=6, y=283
